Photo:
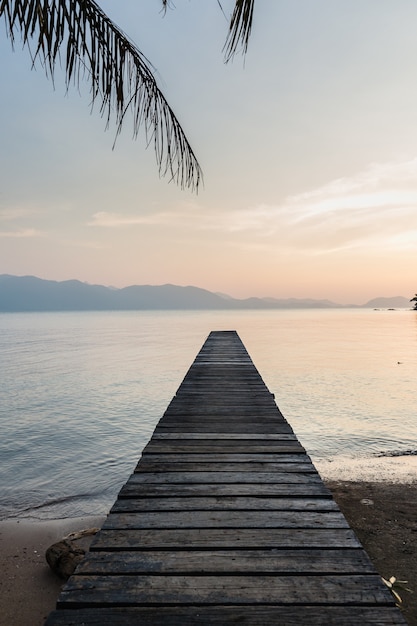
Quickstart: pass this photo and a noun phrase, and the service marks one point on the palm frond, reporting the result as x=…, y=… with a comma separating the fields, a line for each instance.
x=240, y=28
x=121, y=77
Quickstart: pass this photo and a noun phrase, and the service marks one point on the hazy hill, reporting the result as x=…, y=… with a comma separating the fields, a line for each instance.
x=28, y=293
x=396, y=302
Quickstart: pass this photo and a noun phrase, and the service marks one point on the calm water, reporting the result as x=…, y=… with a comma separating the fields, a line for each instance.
x=82, y=392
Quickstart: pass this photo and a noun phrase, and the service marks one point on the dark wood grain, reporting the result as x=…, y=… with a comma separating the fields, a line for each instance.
x=224, y=477
x=277, y=562
x=219, y=465
x=258, y=615
x=262, y=589
x=214, y=538
x=133, y=489
x=249, y=459
x=223, y=503
x=226, y=519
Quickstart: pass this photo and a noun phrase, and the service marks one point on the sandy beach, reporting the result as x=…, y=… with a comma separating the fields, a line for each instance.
x=28, y=587
x=383, y=515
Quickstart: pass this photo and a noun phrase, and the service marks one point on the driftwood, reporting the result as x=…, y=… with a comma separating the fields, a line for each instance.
x=64, y=555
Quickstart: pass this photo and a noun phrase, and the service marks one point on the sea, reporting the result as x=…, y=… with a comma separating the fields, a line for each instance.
x=81, y=393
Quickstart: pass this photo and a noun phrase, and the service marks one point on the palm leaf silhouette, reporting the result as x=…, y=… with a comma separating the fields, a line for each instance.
x=79, y=35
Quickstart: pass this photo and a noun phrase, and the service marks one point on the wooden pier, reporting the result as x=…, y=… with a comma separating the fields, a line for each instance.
x=225, y=520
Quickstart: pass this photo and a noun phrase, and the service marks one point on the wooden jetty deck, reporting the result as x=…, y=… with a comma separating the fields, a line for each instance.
x=225, y=520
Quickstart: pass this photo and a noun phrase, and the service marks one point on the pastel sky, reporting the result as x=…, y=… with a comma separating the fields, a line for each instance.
x=308, y=148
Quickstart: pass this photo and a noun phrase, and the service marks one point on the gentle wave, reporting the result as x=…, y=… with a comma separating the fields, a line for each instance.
x=392, y=453
x=78, y=505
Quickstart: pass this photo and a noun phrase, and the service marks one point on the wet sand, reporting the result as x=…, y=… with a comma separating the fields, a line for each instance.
x=383, y=515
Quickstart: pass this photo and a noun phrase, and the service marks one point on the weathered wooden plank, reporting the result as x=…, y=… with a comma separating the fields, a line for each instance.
x=219, y=388
x=273, y=461
x=214, y=538
x=262, y=478
x=220, y=615
x=241, y=410
x=206, y=426
x=253, y=438
x=225, y=519
x=254, y=503
x=264, y=589
x=277, y=562
x=207, y=406
x=209, y=424
x=223, y=439
x=217, y=414
x=135, y=490
x=270, y=422
x=241, y=373
x=186, y=465
x=218, y=385
x=199, y=373
x=187, y=421
x=223, y=443
x=214, y=387
x=265, y=400
x=219, y=395
x=246, y=403
x=285, y=447
x=265, y=423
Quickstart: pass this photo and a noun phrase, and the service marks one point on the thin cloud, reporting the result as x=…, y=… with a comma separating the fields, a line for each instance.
x=377, y=205
x=115, y=220
x=24, y=233
x=189, y=214
x=17, y=213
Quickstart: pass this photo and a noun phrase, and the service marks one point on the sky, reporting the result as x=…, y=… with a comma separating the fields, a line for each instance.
x=308, y=146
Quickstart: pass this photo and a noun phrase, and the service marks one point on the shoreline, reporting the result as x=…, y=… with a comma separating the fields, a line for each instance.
x=383, y=515
x=401, y=470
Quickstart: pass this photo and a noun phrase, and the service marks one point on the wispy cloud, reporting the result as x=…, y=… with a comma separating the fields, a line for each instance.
x=24, y=233
x=116, y=220
x=379, y=186
x=189, y=213
x=17, y=213
x=379, y=204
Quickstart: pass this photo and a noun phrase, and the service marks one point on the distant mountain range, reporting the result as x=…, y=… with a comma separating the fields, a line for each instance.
x=28, y=293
